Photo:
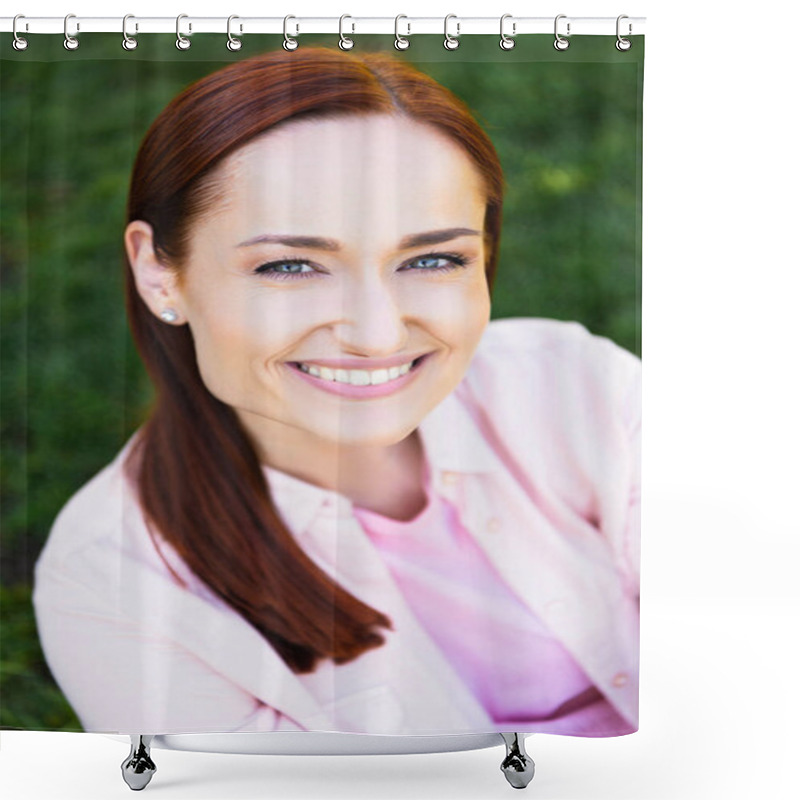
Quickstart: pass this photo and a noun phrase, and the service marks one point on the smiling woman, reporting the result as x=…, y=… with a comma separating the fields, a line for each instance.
x=357, y=504
x=345, y=285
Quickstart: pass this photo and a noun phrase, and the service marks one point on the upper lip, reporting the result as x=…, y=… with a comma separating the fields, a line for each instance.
x=362, y=363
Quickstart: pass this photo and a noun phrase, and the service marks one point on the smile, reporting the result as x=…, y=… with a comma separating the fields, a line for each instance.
x=362, y=384
x=358, y=377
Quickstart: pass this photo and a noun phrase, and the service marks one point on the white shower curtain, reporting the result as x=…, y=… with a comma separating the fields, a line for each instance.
x=321, y=386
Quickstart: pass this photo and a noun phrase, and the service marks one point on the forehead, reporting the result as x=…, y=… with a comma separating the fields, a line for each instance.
x=360, y=172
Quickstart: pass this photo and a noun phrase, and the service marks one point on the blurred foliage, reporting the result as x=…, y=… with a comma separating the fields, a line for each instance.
x=29, y=697
x=567, y=126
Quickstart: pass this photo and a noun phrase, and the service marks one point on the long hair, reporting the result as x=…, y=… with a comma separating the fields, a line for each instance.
x=199, y=480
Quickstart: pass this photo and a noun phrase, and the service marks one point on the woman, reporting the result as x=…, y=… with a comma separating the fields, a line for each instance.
x=357, y=504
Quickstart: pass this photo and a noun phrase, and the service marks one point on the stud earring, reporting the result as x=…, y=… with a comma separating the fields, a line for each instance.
x=169, y=315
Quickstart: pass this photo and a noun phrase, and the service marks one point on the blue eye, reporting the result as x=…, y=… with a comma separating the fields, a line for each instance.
x=274, y=268
x=271, y=269
x=454, y=259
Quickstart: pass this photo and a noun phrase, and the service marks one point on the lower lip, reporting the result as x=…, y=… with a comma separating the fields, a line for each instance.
x=364, y=392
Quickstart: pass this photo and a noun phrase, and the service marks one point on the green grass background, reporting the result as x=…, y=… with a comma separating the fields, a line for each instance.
x=567, y=126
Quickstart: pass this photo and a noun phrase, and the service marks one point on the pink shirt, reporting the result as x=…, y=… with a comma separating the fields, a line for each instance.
x=536, y=450
x=504, y=653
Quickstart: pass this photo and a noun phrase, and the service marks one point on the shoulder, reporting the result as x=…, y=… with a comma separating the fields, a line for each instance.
x=100, y=539
x=92, y=515
x=538, y=355
x=546, y=339
x=562, y=406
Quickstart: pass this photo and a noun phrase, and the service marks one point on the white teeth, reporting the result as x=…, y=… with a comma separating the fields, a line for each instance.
x=356, y=377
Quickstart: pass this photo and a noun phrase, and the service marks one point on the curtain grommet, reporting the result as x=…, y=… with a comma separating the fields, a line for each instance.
x=451, y=42
x=182, y=43
x=289, y=43
x=128, y=42
x=345, y=42
x=623, y=44
x=233, y=44
x=70, y=42
x=560, y=42
x=401, y=42
x=507, y=42
x=19, y=42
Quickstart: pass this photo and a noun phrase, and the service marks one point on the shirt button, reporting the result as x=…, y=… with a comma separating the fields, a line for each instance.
x=493, y=524
x=619, y=680
x=449, y=478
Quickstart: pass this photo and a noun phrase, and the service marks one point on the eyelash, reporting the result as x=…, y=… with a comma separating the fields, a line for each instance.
x=458, y=261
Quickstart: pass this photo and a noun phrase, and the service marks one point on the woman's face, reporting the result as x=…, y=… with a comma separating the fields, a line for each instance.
x=352, y=246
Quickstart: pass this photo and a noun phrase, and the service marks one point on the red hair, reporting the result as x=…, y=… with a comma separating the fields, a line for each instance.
x=207, y=495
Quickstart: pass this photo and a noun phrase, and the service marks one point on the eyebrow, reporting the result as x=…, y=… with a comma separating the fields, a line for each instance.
x=322, y=243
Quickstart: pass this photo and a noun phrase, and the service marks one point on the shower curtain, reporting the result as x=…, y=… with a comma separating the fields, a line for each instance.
x=321, y=380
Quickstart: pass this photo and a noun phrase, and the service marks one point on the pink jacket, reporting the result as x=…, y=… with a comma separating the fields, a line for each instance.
x=539, y=449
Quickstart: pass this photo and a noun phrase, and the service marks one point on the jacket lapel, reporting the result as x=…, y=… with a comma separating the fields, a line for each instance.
x=572, y=588
x=557, y=563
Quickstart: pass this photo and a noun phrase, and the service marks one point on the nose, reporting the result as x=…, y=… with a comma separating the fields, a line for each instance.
x=373, y=322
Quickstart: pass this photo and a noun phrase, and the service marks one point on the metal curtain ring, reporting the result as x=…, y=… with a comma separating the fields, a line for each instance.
x=233, y=42
x=128, y=42
x=288, y=42
x=400, y=42
x=506, y=42
x=451, y=42
x=560, y=43
x=70, y=42
x=182, y=43
x=623, y=44
x=345, y=43
x=19, y=42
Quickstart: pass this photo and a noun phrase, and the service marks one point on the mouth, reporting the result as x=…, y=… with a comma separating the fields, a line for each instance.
x=358, y=377
x=360, y=384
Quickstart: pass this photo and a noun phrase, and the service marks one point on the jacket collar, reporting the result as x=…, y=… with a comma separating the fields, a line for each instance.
x=453, y=443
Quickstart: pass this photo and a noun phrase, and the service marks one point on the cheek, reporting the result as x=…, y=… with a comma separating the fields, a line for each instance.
x=225, y=347
x=473, y=311
x=227, y=319
x=218, y=335
x=476, y=325
x=218, y=360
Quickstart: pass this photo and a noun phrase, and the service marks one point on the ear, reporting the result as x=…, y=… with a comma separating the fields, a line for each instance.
x=155, y=282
